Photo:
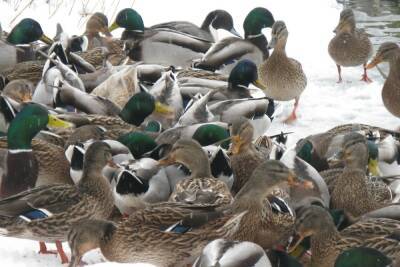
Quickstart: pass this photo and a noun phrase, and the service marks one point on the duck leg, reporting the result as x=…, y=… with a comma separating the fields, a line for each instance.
x=339, y=70
x=365, y=77
x=293, y=116
x=60, y=250
x=43, y=249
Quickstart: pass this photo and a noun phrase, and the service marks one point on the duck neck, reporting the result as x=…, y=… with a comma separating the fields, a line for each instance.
x=92, y=178
x=199, y=165
x=280, y=45
x=261, y=42
x=323, y=238
x=207, y=22
x=395, y=65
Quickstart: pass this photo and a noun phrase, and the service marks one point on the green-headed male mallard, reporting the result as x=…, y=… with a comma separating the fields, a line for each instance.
x=215, y=20
x=19, y=163
x=160, y=46
x=46, y=213
x=200, y=187
x=224, y=55
x=283, y=77
x=350, y=46
x=389, y=52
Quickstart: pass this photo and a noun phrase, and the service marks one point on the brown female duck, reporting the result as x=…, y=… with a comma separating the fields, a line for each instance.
x=350, y=46
x=390, y=52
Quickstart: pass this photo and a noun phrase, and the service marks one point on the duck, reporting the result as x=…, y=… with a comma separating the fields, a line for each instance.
x=244, y=155
x=159, y=46
x=327, y=242
x=224, y=253
x=46, y=213
x=350, y=46
x=25, y=163
x=97, y=23
x=19, y=90
x=362, y=257
x=389, y=52
x=215, y=20
x=131, y=116
x=225, y=54
x=201, y=187
x=350, y=192
x=282, y=77
x=165, y=228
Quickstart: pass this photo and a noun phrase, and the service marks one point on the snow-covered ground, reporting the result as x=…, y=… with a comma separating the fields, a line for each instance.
x=324, y=103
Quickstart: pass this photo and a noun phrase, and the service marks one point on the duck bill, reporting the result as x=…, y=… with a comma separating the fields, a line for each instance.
x=234, y=32
x=257, y=83
x=46, y=40
x=236, y=145
x=26, y=98
x=297, y=239
x=294, y=181
x=113, y=27
x=373, y=167
x=112, y=164
x=169, y=160
x=374, y=62
x=106, y=32
x=163, y=109
x=55, y=122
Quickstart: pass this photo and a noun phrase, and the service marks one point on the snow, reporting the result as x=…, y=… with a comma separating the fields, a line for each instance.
x=324, y=103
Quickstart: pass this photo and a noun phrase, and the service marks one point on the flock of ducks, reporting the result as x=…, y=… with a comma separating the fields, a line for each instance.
x=151, y=147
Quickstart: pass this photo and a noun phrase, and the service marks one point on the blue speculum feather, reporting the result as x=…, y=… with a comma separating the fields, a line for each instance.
x=33, y=215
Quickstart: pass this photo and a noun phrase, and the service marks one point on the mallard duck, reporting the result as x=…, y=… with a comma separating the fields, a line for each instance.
x=327, y=242
x=20, y=164
x=282, y=77
x=350, y=191
x=350, y=46
x=362, y=257
x=20, y=90
x=245, y=157
x=389, y=52
x=200, y=187
x=224, y=55
x=152, y=235
x=131, y=116
x=215, y=20
x=224, y=253
x=159, y=46
x=97, y=23
x=46, y=213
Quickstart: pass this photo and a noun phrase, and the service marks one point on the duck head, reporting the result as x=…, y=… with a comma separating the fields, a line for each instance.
x=220, y=19
x=97, y=156
x=128, y=19
x=279, y=35
x=209, y=134
x=244, y=73
x=257, y=19
x=27, y=31
x=140, y=106
x=28, y=122
x=138, y=143
x=347, y=22
x=387, y=52
x=98, y=22
x=362, y=257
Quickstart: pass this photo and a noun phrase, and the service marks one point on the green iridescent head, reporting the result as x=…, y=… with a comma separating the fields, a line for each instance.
x=209, y=134
x=27, y=31
x=28, y=123
x=128, y=19
x=140, y=106
x=258, y=19
x=305, y=150
x=138, y=143
x=244, y=73
x=362, y=257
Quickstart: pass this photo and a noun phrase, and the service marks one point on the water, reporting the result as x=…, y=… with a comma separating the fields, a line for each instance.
x=379, y=18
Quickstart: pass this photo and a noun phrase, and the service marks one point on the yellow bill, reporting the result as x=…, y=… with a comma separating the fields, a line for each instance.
x=373, y=167
x=163, y=109
x=55, y=122
x=113, y=26
x=46, y=39
x=259, y=84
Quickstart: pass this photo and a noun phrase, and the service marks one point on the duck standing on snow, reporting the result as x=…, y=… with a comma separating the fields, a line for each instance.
x=282, y=77
x=350, y=46
x=390, y=52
